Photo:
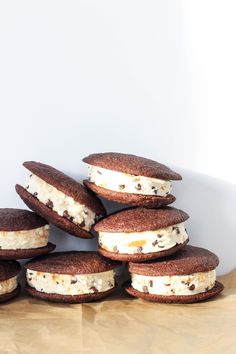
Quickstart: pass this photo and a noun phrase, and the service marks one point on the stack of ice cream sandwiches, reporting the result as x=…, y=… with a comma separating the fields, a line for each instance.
x=147, y=234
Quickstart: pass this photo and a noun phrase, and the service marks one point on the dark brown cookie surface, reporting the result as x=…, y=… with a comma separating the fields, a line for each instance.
x=9, y=269
x=26, y=253
x=11, y=295
x=132, y=164
x=141, y=219
x=50, y=215
x=188, y=260
x=72, y=262
x=141, y=257
x=65, y=184
x=19, y=219
x=68, y=298
x=181, y=299
x=150, y=201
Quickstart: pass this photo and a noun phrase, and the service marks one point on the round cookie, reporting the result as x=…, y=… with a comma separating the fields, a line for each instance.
x=75, y=276
x=60, y=199
x=9, y=287
x=130, y=179
x=23, y=234
x=185, y=277
x=140, y=234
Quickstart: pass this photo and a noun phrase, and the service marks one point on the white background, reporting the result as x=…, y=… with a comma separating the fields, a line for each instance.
x=153, y=78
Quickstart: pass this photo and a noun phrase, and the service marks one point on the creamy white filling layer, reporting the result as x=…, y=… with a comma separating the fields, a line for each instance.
x=24, y=239
x=143, y=242
x=175, y=284
x=66, y=284
x=7, y=286
x=62, y=204
x=126, y=183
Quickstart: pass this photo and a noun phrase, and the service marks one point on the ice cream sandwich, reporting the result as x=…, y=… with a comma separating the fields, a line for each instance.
x=23, y=234
x=75, y=276
x=9, y=287
x=185, y=277
x=129, y=179
x=140, y=234
x=60, y=199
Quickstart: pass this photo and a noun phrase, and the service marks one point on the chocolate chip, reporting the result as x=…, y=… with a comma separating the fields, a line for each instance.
x=173, y=291
x=159, y=236
x=85, y=212
x=73, y=281
x=49, y=204
x=155, y=243
x=71, y=218
x=167, y=284
x=138, y=187
x=44, y=276
x=95, y=290
x=121, y=186
x=82, y=224
x=30, y=279
x=192, y=287
x=30, y=273
x=185, y=230
x=31, y=175
x=110, y=283
x=139, y=249
x=115, y=249
x=145, y=289
x=151, y=283
x=27, y=187
x=99, y=172
x=207, y=288
x=41, y=289
x=35, y=194
x=175, y=228
x=57, y=282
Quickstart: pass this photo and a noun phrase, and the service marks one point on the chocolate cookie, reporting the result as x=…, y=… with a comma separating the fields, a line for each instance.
x=23, y=234
x=60, y=199
x=139, y=234
x=9, y=287
x=75, y=276
x=130, y=179
x=185, y=277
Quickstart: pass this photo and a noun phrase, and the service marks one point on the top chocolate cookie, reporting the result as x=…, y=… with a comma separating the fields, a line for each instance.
x=60, y=199
x=130, y=179
x=189, y=260
x=72, y=262
x=131, y=164
x=19, y=219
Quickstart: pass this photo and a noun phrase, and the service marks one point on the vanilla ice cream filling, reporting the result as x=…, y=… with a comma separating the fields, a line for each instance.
x=8, y=285
x=61, y=203
x=126, y=183
x=66, y=284
x=24, y=239
x=192, y=284
x=143, y=242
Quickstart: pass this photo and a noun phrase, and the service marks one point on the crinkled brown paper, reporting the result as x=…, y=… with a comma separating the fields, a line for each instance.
x=121, y=325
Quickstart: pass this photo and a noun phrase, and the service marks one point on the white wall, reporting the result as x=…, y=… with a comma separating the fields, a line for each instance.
x=154, y=78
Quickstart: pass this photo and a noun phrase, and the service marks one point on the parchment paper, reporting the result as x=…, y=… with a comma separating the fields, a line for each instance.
x=121, y=325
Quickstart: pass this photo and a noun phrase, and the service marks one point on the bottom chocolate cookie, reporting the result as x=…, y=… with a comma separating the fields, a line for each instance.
x=72, y=299
x=11, y=295
x=26, y=253
x=175, y=299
